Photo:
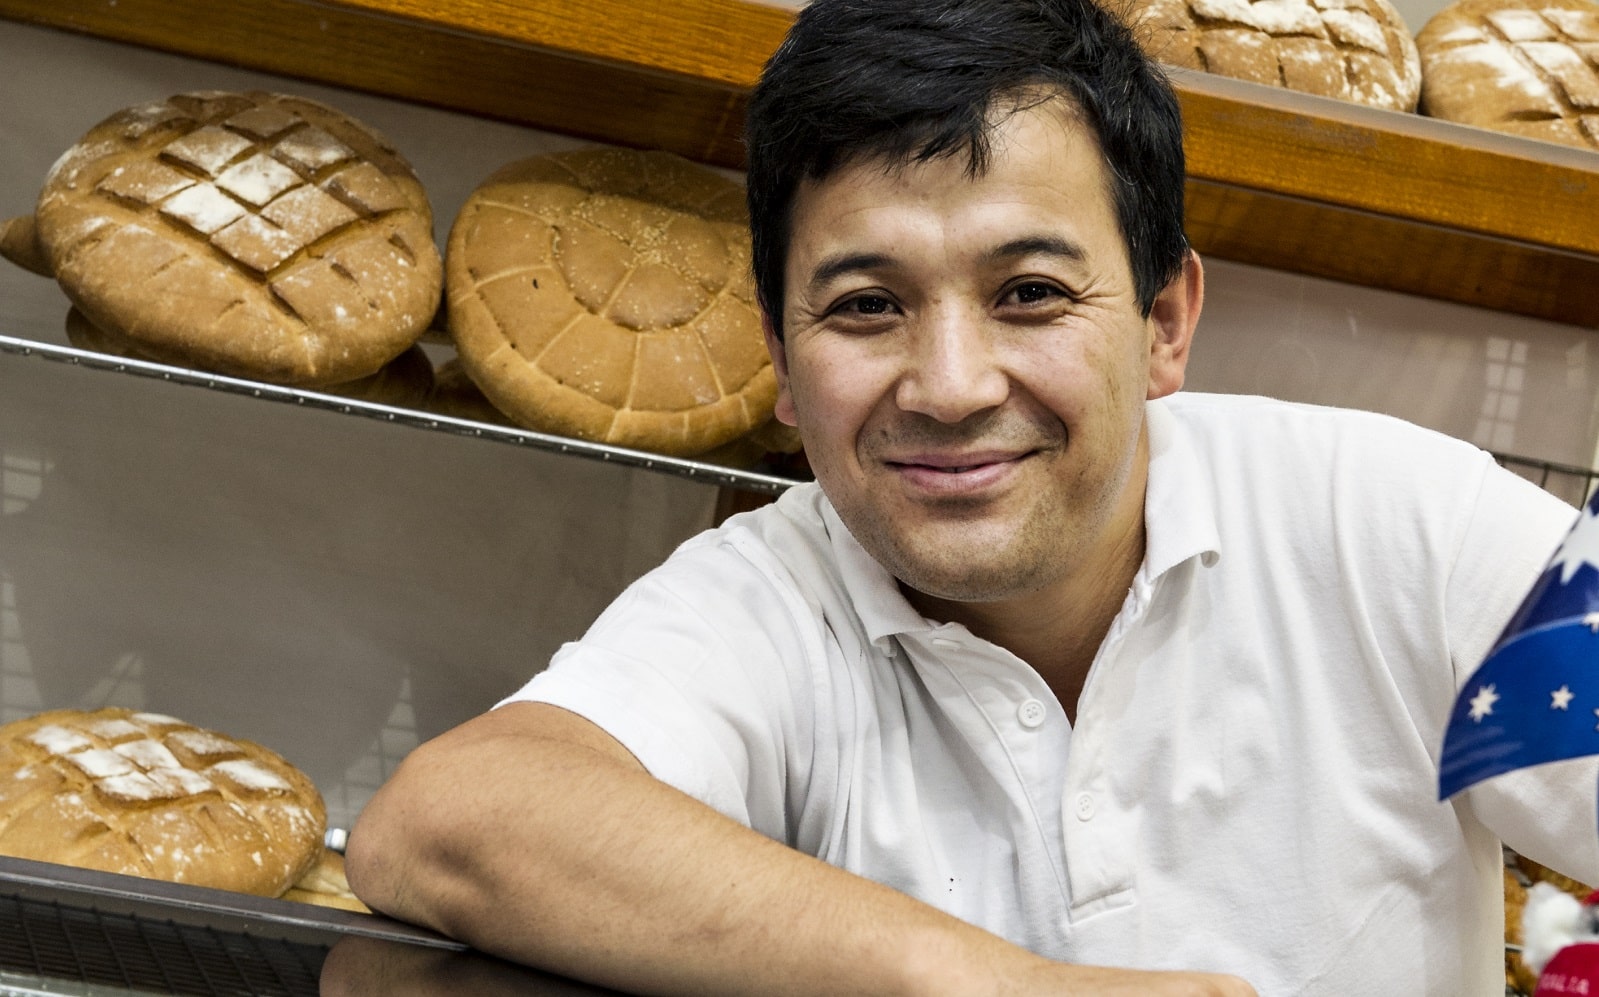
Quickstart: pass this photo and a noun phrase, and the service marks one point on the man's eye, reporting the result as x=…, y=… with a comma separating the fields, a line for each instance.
x=867, y=305
x=1033, y=292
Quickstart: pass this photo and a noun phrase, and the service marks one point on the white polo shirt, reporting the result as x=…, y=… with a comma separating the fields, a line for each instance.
x=1251, y=783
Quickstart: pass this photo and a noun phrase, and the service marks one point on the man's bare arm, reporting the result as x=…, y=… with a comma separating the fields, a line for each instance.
x=532, y=834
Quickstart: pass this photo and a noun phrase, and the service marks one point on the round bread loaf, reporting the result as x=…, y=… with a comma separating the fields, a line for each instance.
x=1354, y=50
x=251, y=234
x=148, y=795
x=606, y=294
x=404, y=382
x=1524, y=68
x=325, y=885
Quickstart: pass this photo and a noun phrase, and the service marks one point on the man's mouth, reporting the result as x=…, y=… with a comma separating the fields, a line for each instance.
x=958, y=465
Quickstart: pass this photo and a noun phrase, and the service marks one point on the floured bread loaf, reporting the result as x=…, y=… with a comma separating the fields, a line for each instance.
x=1354, y=50
x=148, y=795
x=251, y=234
x=1524, y=68
x=606, y=294
x=325, y=885
x=404, y=382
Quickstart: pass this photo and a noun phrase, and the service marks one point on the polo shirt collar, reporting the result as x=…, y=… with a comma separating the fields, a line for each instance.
x=1180, y=518
x=1179, y=509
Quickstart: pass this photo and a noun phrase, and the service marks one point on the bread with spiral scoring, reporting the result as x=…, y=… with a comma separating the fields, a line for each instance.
x=606, y=294
x=144, y=794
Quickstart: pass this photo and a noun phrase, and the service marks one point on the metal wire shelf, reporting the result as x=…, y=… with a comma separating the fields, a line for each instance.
x=714, y=474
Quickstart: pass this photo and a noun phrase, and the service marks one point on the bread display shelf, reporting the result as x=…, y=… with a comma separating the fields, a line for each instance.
x=711, y=474
x=1277, y=179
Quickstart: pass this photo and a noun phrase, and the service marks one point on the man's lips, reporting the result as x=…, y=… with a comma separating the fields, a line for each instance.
x=957, y=463
x=955, y=472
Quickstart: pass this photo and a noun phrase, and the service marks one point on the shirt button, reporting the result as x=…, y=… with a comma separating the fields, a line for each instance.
x=1031, y=713
x=1085, y=806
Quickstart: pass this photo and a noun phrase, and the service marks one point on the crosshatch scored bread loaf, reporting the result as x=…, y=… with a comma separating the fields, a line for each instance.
x=1524, y=68
x=1354, y=50
x=148, y=795
x=257, y=235
x=606, y=294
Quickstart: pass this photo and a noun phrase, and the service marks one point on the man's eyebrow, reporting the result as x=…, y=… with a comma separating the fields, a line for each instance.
x=1037, y=245
x=837, y=266
x=834, y=267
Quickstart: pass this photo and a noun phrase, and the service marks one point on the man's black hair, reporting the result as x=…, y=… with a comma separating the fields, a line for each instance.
x=914, y=80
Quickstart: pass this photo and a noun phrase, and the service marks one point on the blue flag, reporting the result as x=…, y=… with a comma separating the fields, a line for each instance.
x=1535, y=698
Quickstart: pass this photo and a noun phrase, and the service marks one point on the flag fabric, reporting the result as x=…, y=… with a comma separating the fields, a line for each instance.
x=1535, y=698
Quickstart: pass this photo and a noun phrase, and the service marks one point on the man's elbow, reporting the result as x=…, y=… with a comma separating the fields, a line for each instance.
x=385, y=848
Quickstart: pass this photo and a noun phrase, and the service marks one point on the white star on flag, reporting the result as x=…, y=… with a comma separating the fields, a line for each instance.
x=1580, y=547
x=1560, y=698
x=1483, y=702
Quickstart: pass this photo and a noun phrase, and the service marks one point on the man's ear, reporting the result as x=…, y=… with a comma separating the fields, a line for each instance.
x=774, y=345
x=1171, y=324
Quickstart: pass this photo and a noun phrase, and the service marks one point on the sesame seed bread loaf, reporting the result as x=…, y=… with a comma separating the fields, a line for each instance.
x=606, y=294
x=148, y=795
x=1526, y=68
x=251, y=234
x=1354, y=50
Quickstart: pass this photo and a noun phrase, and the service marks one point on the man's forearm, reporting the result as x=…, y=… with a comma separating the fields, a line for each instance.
x=532, y=835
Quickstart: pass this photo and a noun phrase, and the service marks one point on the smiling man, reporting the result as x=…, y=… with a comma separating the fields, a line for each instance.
x=1059, y=680
x=968, y=361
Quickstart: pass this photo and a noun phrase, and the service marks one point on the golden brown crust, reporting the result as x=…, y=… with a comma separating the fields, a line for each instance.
x=606, y=294
x=256, y=235
x=404, y=382
x=19, y=243
x=1359, y=51
x=148, y=795
x=325, y=885
x=1525, y=68
x=455, y=394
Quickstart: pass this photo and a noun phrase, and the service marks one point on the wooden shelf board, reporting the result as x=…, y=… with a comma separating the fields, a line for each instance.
x=1278, y=179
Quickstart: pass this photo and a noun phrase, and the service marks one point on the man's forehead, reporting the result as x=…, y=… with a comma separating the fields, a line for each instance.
x=1005, y=117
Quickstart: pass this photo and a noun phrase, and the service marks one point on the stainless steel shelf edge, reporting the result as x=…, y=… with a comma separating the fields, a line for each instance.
x=712, y=474
x=200, y=906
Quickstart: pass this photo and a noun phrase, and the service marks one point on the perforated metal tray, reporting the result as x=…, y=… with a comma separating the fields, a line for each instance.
x=73, y=931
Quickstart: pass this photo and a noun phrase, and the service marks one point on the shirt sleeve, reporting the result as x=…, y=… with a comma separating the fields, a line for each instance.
x=1549, y=813
x=689, y=669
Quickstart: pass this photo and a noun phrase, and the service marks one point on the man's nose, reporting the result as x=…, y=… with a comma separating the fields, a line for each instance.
x=951, y=370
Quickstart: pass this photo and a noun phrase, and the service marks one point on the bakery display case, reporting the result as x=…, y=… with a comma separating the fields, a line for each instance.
x=342, y=578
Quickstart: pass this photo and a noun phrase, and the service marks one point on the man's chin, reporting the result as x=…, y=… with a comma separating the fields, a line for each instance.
x=985, y=576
